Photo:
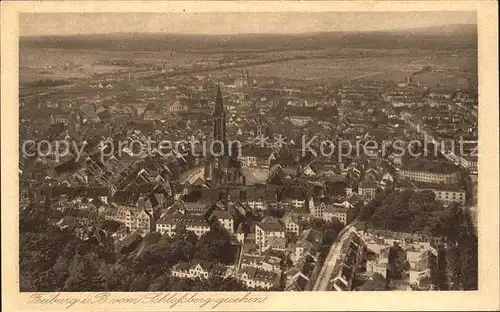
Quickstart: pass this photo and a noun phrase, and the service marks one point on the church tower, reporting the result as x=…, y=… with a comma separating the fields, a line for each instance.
x=219, y=124
x=213, y=166
x=223, y=167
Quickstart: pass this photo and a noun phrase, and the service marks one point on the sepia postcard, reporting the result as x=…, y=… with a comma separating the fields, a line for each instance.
x=250, y=156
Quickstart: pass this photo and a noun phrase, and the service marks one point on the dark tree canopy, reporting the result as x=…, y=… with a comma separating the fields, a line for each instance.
x=52, y=259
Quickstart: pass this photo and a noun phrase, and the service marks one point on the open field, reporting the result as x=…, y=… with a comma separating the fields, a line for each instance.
x=326, y=65
x=41, y=63
x=394, y=68
x=36, y=57
x=393, y=75
x=446, y=79
x=309, y=56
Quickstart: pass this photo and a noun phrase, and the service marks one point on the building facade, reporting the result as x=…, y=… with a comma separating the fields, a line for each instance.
x=429, y=177
x=168, y=224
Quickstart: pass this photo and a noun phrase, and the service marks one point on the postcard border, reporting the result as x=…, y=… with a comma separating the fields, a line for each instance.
x=485, y=298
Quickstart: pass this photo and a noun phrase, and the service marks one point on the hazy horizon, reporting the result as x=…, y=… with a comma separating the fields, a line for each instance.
x=53, y=24
x=249, y=33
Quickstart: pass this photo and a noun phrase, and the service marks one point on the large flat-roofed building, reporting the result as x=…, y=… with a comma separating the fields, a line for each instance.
x=445, y=193
x=429, y=177
x=429, y=172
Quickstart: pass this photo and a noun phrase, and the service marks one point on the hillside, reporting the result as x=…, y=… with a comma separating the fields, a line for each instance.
x=449, y=37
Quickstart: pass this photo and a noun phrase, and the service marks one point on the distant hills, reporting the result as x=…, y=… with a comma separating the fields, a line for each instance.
x=448, y=37
x=460, y=31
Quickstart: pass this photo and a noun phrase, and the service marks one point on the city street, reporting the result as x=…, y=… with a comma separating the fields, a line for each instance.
x=325, y=275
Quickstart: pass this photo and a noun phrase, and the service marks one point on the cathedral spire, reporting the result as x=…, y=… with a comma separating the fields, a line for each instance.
x=219, y=106
x=223, y=166
x=219, y=118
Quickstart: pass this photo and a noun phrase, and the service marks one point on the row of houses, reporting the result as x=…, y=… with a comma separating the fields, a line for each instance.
x=269, y=232
x=326, y=208
x=304, y=255
x=254, y=277
x=265, y=270
x=200, y=269
x=347, y=264
x=194, y=217
x=418, y=253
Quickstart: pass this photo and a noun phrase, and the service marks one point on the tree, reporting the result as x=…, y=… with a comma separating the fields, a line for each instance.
x=161, y=283
x=181, y=284
x=121, y=276
x=183, y=234
x=140, y=283
x=152, y=238
x=217, y=283
x=366, y=212
x=50, y=280
x=317, y=224
x=405, y=211
x=330, y=229
x=469, y=264
x=215, y=245
x=453, y=222
x=441, y=276
x=84, y=275
x=397, y=261
x=160, y=257
x=377, y=283
x=38, y=253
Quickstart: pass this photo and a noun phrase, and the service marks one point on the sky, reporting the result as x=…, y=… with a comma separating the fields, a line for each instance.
x=35, y=24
